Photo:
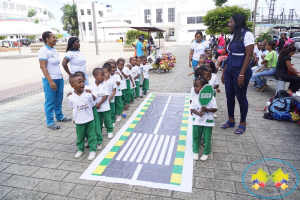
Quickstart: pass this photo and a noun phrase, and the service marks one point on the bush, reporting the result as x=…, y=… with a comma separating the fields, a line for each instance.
x=262, y=36
x=132, y=35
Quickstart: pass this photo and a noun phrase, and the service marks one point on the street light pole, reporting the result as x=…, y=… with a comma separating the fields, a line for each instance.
x=254, y=21
x=95, y=28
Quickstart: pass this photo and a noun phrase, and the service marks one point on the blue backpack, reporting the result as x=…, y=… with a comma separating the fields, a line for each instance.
x=282, y=105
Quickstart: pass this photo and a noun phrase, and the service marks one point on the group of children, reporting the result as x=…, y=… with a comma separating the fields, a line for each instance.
x=103, y=102
x=203, y=116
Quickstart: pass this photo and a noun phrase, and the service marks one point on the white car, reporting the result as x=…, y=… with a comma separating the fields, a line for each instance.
x=297, y=42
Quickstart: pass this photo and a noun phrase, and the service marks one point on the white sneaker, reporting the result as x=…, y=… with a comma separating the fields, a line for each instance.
x=118, y=118
x=196, y=156
x=110, y=135
x=204, y=157
x=215, y=115
x=78, y=154
x=99, y=146
x=92, y=155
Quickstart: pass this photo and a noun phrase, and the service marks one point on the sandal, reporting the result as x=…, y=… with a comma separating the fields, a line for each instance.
x=258, y=88
x=228, y=124
x=263, y=88
x=65, y=119
x=240, y=129
x=53, y=126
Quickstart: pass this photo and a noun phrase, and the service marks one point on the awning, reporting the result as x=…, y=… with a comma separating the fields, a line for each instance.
x=148, y=28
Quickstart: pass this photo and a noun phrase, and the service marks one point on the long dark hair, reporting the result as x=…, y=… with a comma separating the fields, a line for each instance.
x=280, y=45
x=70, y=43
x=272, y=44
x=239, y=26
x=286, y=51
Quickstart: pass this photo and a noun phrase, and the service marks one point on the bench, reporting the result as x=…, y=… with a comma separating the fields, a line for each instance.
x=280, y=84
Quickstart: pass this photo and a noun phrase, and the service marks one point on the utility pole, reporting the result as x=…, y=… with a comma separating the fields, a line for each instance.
x=95, y=28
x=254, y=21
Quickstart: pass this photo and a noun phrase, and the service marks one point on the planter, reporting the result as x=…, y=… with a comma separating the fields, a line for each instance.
x=9, y=49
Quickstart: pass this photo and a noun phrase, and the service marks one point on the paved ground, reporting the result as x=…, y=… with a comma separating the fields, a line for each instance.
x=36, y=163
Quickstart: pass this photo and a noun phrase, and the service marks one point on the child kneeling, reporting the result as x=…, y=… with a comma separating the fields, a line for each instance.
x=203, y=120
x=82, y=104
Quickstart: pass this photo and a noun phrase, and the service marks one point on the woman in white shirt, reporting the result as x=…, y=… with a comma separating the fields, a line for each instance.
x=75, y=59
x=53, y=82
x=197, y=48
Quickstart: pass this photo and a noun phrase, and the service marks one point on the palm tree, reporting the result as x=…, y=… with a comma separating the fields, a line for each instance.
x=70, y=17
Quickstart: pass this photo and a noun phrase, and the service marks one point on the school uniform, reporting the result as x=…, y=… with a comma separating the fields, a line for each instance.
x=83, y=117
x=202, y=125
x=214, y=81
x=123, y=87
x=77, y=63
x=136, y=71
x=146, y=83
x=104, y=112
x=118, y=96
x=111, y=85
x=127, y=71
x=132, y=89
x=141, y=79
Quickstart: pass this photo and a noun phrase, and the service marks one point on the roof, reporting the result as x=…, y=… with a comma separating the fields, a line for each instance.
x=148, y=28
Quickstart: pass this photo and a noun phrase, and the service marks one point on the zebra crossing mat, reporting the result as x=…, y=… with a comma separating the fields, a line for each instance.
x=153, y=149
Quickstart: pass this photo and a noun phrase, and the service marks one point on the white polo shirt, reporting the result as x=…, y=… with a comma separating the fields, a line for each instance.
x=146, y=69
x=199, y=48
x=99, y=92
x=135, y=71
x=82, y=107
x=213, y=80
x=208, y=118
x=123, y=81
x=77, y=61
x=127, y=71
x=117, y=78
x=50, y=55
x=110, y=84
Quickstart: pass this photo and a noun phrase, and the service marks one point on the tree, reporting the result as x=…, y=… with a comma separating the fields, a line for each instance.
x=36, y=21
x=2, y=37
x=56, y=30
x=267, y=35
x=217, y=20
x=132, y=35
x=219, y=3
x=70, y=17
x=59, y=36
x=31, y=13
x=50, y=15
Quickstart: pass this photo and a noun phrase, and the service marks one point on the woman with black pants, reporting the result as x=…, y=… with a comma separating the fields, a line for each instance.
x=237, y=73
x=284, y=65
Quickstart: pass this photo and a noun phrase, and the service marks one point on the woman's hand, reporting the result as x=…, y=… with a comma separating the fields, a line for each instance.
x=52, y=85
x=190, y=64
x=241, y=81
x=222, y=78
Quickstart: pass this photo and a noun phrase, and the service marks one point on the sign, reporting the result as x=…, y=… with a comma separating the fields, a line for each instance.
x=206, y=94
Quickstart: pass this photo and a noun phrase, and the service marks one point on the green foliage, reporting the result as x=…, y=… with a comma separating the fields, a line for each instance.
x=70, y=17
x=267, y=35
x=31, y=13
x=160, y=35
x=31, y=37
x=59, y=36
x=45, y=12
x=36, y=21
x=220, y=2
x=2, y=37
x=56, y=30
x=217, y=20
x=50, y=15
x=132, y=35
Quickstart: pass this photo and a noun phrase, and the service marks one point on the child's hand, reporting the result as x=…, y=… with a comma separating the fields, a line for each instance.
x=109, y=99
x=218, y=90
x=201, y=114
x=133, y=85
x=98, y=106
x=88, y=90
x=73, y=121
x=203, y=109
x=143, y=79
x=70, y=93
x=117, y=73
x=190, y=74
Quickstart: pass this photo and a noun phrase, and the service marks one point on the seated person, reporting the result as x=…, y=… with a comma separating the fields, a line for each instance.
x=260, y=57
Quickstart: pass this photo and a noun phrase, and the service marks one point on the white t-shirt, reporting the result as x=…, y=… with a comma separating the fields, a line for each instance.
x=146, y=69
x=256, y=50
x=198, y=48
x=208, y=118
x=82, y=107
x=110, y=84
x=213, y=80
x=77, y=61
x=261, y=53
x=99, y=92
x=117, y=78
x=123, y=81
x=51, y=56
x=127, y=71
x=192, y=94
x=135, y=71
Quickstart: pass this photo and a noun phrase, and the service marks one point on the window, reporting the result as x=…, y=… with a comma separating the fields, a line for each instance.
x=171, y=14
x=127, y=21
x=192, y=30
x=159, y=16
x=171, y=31
x=89, y=11
x=83, y=26
x=82, y=11
x=90, y=26
x=117, y=33
x=147, y=15
x=101, y=13
x=191, y=20
x=199, y=20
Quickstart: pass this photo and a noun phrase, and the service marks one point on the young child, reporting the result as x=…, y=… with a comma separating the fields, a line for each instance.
x=132, y=63
x=118, y=96
x=200, y=72
x=146, y=69
x=203, y=120
x=102, y=103
x=126, y=72
x=111, y=85
x=200, y=63
x=82, y=102
x=141, y=79
x=136, y=74
x=120, y=67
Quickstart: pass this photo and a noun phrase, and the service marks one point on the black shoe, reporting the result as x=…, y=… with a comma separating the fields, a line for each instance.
x=145, y=92
x=141, y=96
x=65, y=119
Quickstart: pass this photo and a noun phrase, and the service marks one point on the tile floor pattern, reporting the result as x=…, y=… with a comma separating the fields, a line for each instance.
x=36, y=163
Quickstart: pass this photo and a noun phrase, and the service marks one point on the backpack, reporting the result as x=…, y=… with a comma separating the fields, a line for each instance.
x=281, y=105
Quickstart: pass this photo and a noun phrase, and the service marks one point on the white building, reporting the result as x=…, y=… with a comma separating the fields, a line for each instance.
x=179, y=18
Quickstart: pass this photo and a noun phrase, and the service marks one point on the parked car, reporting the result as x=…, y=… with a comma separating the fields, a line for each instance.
x=25, y=42
x=4, y=44
x=17, y=42
x=296, y=34
x=297, y=42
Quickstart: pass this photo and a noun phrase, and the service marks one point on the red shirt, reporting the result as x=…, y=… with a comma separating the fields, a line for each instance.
x=221, y=41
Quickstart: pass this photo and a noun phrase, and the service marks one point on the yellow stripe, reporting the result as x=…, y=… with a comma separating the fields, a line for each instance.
x=119, y=143
x=182, y=137
x=110, y=154
x=176, y=178
x=181, y=148
x=178, y=161
x=132, y=125
x=185, y=121
x=185, y=115
x=144, y=108
x=147, y=104
x=137, y=119
x=183, y=128
x=186, y=109
x=126, y=133
x=99, y=169
x=141, y=113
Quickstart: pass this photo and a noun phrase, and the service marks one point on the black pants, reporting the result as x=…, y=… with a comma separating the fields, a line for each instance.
x=294, y=80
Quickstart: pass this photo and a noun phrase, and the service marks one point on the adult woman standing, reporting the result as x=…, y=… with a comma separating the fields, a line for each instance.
x=237, y=72
x=284, y=66
x=197, y=48
x=75, y=58
x=286, y=40
x=53, y=81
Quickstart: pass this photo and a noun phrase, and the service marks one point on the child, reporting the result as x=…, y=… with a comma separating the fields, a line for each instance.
x=82, y=102
x=120, y=67
x=118, y=96
x=132, y=63
x=200, y=63
x=200, y=72
x=203, y=121
x=146, y=69
x=126, y=72
x=136, y=74
x=141, y=79
x=102, y=103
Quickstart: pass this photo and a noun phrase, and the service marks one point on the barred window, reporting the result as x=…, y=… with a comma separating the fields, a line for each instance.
x=83, y=26
x=90, y=26
x=159, y=16
x=191, y=20
x=127, y=21
x=171, y=31
x=171, y=14
x=199, y=20
x=82, y=11
x=147, y=16
x=89, y=12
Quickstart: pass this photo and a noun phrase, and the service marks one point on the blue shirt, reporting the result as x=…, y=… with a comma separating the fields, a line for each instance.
x=139, y=50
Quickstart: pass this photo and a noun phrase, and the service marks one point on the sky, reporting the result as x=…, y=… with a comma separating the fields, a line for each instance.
x=119, y=6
